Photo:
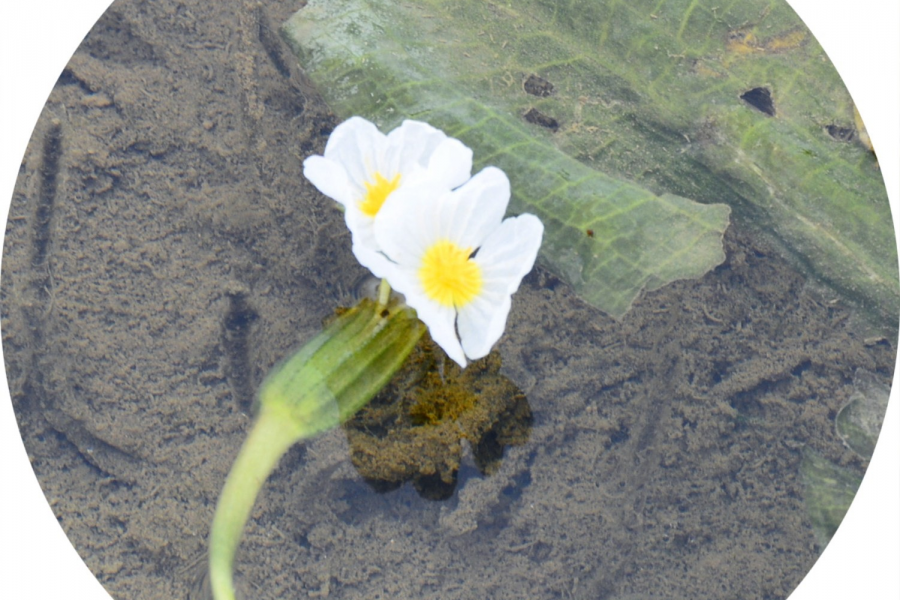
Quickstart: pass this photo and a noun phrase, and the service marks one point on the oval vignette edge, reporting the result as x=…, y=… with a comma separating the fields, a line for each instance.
x=36, y=559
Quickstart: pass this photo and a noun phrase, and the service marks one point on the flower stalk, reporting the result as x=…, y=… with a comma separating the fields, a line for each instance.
x=269, y=439
x=314, y=390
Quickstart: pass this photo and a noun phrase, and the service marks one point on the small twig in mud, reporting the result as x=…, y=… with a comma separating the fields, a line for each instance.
x=709, y=316
x=521, y=547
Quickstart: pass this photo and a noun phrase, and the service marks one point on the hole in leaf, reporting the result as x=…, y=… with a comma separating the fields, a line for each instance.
x=841, y=134
x=536, y=117
x=761, y=99
x=538, y=86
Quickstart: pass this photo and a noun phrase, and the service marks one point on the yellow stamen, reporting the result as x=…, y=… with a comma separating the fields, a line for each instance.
x=448, y=276
x=377, y=193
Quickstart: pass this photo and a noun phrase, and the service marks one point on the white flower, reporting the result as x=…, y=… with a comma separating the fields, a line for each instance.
x=362, y=167
x=455, y=259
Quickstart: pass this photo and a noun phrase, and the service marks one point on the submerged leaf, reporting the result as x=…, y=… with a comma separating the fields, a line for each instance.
x=859, y=421
x=576, y=100
x=828, y=492
x=608, y=237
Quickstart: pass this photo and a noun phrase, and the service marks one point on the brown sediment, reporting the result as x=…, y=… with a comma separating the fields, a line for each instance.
x=414, y=430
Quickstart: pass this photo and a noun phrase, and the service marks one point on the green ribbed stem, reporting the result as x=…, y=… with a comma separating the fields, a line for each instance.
x=312, y=391
x=269, y=439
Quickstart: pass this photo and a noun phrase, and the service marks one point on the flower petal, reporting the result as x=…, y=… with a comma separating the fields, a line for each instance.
x=365, y=247
x=441, y=320
x=359, y=147
x=410, y=146
x=482, y=321
x=422, y=213
x=450, y=165
x=508, y=254
x=472, y=211
x=329, y=177
x=372, y=259
x=441, y=325
x=505, y=258
x=408, y=223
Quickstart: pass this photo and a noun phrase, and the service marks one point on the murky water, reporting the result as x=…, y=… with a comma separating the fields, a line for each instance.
x=163, y=251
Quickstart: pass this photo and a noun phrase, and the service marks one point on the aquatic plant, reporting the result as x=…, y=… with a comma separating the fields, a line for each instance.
x=829, y=488
x=445, y=249
x=828, y=491
x=412, y=228
x=858, y=422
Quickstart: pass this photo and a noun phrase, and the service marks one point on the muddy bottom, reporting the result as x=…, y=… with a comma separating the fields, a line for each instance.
x=163, y=251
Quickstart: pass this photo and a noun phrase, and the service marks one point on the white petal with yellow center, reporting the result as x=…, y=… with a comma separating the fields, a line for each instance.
x=361, y=169
x=454, y=259
x=506, y=256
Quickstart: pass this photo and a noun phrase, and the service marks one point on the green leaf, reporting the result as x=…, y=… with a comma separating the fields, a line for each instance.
x=859, y=421
x=828, y=491
x=609, y=238
x=731, y=103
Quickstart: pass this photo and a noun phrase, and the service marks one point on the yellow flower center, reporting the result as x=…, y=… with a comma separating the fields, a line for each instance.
x=448, y=276
x=377, y=193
